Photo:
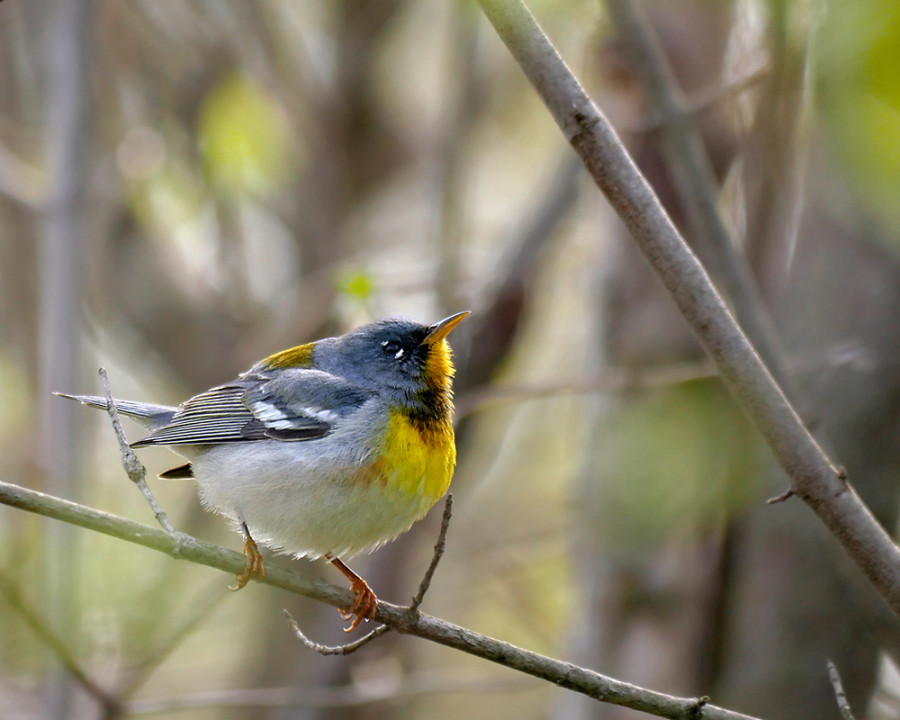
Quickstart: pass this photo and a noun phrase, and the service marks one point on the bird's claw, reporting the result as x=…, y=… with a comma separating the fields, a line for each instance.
x=363, y=607
x=254, y=565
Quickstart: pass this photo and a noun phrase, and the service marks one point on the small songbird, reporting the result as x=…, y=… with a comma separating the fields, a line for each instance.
x=327, y=449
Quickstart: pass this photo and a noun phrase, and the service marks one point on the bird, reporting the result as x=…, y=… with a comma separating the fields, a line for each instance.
x=324, y=450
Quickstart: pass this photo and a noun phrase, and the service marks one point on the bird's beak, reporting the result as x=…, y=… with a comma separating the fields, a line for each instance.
x=442, y=329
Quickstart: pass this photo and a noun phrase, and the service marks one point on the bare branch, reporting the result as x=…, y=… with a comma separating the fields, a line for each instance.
x=344, y=649
x=436, y=557
x=135, y=470
x=786, y=495
x=399, y=619
x=814, y=477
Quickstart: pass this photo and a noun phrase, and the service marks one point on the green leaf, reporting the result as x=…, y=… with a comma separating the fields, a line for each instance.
x=244, y=139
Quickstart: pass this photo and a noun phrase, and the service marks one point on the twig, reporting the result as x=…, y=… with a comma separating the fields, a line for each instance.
x=13, y=595
x=412, y=608
x=814, y=477
x=839, y=695
x=345, y=649
x=180, y=545
x=136, y=472
x=436, y=557
x=786, y=495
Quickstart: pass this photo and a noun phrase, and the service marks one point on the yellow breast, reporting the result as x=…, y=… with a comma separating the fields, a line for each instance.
x=418, y=461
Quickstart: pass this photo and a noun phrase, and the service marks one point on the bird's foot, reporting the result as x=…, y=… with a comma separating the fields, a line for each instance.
x=254, y=565
x=363, y=607
x=365, y=604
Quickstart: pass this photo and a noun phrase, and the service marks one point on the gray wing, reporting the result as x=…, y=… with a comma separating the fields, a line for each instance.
x=296, y=405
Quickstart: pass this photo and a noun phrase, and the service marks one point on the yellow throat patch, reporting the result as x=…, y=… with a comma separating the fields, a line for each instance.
x=419, y=450
x=417, y=463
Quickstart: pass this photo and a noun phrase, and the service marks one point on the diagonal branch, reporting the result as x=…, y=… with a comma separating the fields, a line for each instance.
x=439, y=546
x=399, y=619
x=136, y=472
x=814, y=477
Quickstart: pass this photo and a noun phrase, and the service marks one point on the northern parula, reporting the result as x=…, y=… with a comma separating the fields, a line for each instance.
x=324, y=450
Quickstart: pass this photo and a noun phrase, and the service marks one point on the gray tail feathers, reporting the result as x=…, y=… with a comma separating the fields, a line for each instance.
x=149, y=415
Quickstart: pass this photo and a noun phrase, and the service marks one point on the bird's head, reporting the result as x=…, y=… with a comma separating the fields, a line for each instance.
x=393, y=356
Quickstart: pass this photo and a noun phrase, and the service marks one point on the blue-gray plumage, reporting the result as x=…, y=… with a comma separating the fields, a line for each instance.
x=329, y=448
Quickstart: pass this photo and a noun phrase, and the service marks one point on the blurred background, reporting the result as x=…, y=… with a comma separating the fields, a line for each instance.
x=186, y=187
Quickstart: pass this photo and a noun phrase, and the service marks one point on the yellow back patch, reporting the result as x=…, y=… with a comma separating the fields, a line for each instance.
x=295, y=357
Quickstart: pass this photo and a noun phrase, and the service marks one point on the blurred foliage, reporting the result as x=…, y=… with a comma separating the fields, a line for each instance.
x=257, y=175
x=243, y=139
x=358, y=284
x=858, y=56
x=676, y=463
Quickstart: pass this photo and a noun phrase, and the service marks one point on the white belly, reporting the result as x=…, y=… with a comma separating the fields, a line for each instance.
x=302, y=497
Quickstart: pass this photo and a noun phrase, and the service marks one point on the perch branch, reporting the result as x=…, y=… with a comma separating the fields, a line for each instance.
x=181, y=546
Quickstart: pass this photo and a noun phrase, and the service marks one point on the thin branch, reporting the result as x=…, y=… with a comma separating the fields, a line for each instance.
x=399, y=619
x=135, y=470
x=344, y=649
x=412, y=608
x=786, y=495
x=839, y=695
x=436, y=556
x=814, y=477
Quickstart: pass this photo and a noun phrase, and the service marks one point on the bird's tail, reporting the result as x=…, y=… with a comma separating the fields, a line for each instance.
x=149, y=415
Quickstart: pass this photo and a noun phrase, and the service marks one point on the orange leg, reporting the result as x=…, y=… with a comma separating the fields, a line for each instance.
x=255, y=564
x=365, y=604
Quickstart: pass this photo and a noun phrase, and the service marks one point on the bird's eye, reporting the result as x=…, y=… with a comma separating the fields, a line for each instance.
x=392, y=348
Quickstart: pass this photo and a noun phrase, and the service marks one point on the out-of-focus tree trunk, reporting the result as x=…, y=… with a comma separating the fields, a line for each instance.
x=66, y=102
